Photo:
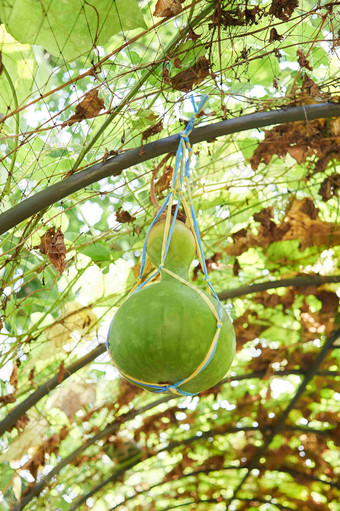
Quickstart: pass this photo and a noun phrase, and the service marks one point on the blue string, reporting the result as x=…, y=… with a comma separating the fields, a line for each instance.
x=147, y=233
x=172, y=227
x=184, y=136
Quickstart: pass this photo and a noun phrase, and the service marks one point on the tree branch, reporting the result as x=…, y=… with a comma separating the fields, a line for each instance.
x=310, y=373
x=173, y=445
x=208, y=470
x=299, y=281
x=114, y=166
x=109, y=430
x=17, y=412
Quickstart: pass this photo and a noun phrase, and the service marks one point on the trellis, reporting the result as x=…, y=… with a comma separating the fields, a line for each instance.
x=84, y=173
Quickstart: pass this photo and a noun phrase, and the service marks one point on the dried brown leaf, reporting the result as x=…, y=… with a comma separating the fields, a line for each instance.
x=14, y=376
x=283, y=9
x=89, y=107
x=301, y=140
x=303, y=61
x=61, y=372
x=192, y=35
x=165, y=180
x=52, y=244
x=329, y=187
x=152, y=130
x=310, y=88
x=301, y=222
x=211, y=264
x=166, y=75
x=236, y=267
x=124, y=217
x=9, y=398
x=165, y=8
x=247, y=328
x=73, y=397
x=186, y=79
x=274, y=35
x=21, y=423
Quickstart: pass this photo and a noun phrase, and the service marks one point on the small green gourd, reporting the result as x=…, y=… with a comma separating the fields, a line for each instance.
x=163, y=332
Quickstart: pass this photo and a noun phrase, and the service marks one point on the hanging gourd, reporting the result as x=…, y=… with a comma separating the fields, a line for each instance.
x=171, y=336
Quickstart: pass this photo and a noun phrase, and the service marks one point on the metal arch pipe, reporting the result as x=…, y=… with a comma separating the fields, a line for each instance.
x=114, y=166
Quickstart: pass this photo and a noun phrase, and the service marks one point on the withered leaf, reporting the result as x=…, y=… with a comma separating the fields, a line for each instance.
x=336, y=40
x=72, y=398
x=165, y=8
x=166, y=75
x=283, y=9
x=309, y=208
x=211, y=264
x=274, y=35
x=301, y=141
x=124, y=217
x=310, y=87
x=186, y=79
x=52, y=244
x=236, y=267
x=329, y=187
x=14, y=376
x=42, y=454
x=61, y=372
x=9, y=398
x=89, y=107
x=21, y=423
x=165, y=179
x=31, y=376
x=303, y=61
x=192, y=35
x=301, y=222
x=152, y=130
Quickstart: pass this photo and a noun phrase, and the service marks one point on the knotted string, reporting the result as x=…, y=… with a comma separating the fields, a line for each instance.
x=181, y=172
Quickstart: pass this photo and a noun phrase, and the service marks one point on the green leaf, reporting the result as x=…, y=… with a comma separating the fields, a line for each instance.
x=98, y=252
x=69, y=27
x=57, y=153
x=20, y=65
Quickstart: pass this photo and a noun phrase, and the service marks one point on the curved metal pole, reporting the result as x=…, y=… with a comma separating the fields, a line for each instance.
x=114, y=166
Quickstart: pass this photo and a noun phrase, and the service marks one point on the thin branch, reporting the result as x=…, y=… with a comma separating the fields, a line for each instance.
x=17, y=412
x=109, y=430
x=310, y=373
x=114, y=166
x=299, y=281
x=215, y=501
x=178, y=37
x=173, y=445
x=207, y=470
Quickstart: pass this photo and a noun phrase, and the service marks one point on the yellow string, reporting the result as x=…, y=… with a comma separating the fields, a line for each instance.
x=167, y=227
x=175, y=186
x=208, y=354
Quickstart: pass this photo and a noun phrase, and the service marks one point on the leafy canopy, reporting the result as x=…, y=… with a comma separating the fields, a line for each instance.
x=81, y=82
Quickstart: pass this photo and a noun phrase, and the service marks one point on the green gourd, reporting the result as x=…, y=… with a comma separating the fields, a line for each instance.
x=163, y=332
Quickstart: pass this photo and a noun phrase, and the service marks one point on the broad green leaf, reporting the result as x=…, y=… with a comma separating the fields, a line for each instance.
x=17, y=77
x=69, y=27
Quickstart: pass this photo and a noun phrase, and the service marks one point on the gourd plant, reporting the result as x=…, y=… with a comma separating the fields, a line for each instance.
x=171, y=336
